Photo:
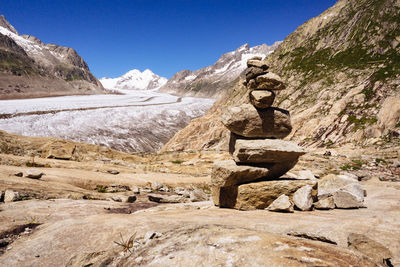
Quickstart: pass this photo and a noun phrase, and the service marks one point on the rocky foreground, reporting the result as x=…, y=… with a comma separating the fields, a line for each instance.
x=103, y=207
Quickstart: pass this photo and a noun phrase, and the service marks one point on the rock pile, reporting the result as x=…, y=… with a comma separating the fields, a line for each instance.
x=246, y=182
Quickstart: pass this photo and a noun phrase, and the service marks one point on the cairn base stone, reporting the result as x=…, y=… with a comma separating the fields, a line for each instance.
x=258, y=195
x=266, y=151
x=245, y=120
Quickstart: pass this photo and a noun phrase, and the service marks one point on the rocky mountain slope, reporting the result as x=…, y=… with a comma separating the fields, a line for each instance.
x=134, y=80
x=342, y=73
x=212, y=81
x=30, y=68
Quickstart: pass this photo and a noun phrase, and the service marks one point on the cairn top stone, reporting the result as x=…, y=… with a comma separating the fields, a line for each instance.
x=245, y=120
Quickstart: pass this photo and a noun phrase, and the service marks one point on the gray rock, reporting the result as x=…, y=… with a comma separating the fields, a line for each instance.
x=166, y=199
x=10, y=196
x=262, y=98
x=117, y=198
x=306, y=174
x=302, y=198
x=355, y=189
x=325, y=204
x=33, y=174
x=371, y=248
x=245, y=120
x=331, y=183
x=114, y=172
x=136, y=190
x=269, y=81
x=156, y=186
x=346, y=200
x=253, y=72
x=266, y=151
x=197, y=195
x=281, y=204
x=257, y=63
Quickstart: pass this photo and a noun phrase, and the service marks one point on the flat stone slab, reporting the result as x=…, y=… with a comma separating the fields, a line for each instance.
x=258, y=195
x=228, y=172
x=245, y=120
x=253, y=72
x=266, y=151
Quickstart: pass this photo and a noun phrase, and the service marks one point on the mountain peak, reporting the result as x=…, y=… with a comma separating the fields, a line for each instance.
x=135, y=80
x=5, y=24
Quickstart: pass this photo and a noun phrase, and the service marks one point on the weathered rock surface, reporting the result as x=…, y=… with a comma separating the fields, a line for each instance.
x=255, y=195
x=228, y=173
x=257, y=63
x=266, y=151
x=325, y=204
x=371, y=248
x=10, y=196
x=346, y=200
x=59, y=150
x=262, y=98
x=269, y=81
x=253, y=72
x=166, y=198
x=281, y=204
x=302, y=198
x=331, y=183
x=247, y=121
x=34, y=174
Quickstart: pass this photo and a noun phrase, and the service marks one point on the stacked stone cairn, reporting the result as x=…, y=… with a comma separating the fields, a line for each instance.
x=250, y=180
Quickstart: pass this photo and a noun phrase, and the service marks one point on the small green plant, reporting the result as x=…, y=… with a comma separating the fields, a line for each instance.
x=177, y=161
x=127, y=245
x=378, y=160
x=101, y=189
x=354, y=165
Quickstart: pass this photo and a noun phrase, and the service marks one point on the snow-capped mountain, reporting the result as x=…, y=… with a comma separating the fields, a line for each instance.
x=30, y=68
x=212, y=81
x=134, y=80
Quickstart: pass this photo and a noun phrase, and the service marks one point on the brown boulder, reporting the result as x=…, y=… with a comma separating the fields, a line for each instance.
x=245, y=120
x=266, y=151
x=262, y=98
x=258, y=195
x=253, y=72
x=228, y=173
x=370, y=248
x=257, y=63
x=269, y=81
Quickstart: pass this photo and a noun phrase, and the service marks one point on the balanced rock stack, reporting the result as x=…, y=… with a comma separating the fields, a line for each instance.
x=250, y=180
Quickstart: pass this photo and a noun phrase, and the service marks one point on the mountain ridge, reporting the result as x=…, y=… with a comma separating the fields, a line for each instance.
x=30, y=68
x=342, y=74
x=212, y=81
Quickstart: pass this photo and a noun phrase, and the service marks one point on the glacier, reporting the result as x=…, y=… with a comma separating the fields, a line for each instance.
x=139, y=121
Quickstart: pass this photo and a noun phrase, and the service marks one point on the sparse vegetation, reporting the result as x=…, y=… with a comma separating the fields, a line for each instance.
x=354, y=165
x=127, y=245
x=177, y=161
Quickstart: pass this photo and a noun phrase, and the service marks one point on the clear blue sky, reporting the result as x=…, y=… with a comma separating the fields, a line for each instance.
x=165, y=36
